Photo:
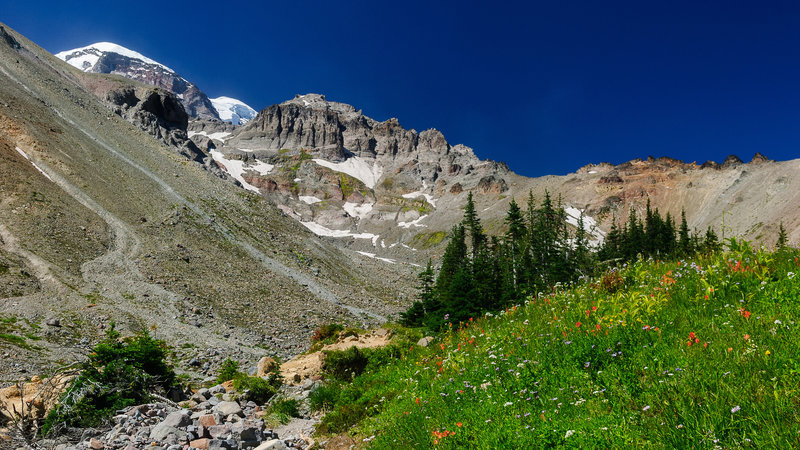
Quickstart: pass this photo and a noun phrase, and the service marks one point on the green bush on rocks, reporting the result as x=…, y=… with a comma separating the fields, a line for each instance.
x=118, y=373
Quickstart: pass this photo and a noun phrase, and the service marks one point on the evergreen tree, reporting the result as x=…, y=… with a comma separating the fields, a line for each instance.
x=516, y=247
x=651, y=231
x=685, y=246
x=473, y=225
x=453, y=282
x=546, y=233
x=782, y=239
x=426, y=300
x=610, y=249
x=711, y=242
x=669, y=244
x=634, y=237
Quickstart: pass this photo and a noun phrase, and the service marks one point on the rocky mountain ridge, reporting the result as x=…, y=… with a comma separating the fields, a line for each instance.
x=345, y=175
x=382, y=190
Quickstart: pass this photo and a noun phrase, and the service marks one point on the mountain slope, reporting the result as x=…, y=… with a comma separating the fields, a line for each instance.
x=111, y=224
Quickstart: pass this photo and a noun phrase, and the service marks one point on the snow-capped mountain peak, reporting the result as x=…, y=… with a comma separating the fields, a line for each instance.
x=107, y=57
x=86, y=58
x=233, y=110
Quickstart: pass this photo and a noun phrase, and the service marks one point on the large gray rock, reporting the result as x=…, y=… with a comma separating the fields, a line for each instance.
x=161, y=431
x=426, y=341
x=178, y=419
x=229, y=408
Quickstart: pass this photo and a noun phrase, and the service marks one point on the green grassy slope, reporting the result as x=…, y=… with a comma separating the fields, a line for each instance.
x=699, y=353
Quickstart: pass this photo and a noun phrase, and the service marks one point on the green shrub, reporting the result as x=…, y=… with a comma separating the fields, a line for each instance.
x=325, y=397
x=118, y=373
x=344, y=365
x=228, y=371
x=378, y=357
x=364, y=397
x=275, y=378
x=284, y=409
x=350, y=332
x=255, y=389
x=326, y=332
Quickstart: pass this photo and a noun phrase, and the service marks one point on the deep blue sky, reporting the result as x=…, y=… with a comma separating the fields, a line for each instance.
x=545, y=86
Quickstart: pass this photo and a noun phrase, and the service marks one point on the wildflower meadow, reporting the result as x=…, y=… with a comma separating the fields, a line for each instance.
x=687, y=353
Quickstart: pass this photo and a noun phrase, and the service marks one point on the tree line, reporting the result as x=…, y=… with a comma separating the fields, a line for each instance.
x=481, y=273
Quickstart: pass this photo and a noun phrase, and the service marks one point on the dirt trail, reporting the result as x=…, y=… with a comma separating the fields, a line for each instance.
x=40, y=268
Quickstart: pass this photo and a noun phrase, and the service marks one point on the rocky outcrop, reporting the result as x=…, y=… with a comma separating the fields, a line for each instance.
x=157, y=112
x=9, y=39
x=31, y=401
x=758, y=158
x=334, y=166
x=731, y=161
x=289, y=126
x=337, y=132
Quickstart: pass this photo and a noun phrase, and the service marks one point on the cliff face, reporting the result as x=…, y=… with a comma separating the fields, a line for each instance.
x=337, y=131
x=332, y=166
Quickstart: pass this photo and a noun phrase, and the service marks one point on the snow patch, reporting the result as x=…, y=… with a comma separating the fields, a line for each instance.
x=421, y=193
x=373, y=256
x=236, y=168
x=218, y=136
x=592, y=171
x=357, y=168
x=413, y=223
x=358, y=210
x=589, y=225
x=320, y=230
x=19, y=150
x=309, y=199
x=262, y=167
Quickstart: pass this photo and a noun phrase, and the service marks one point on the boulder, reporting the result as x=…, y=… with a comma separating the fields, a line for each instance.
x=161, y=431
x=177, y=419
x=424, y=342
x=206, y=420
x=229, y=408
x=219, y=444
